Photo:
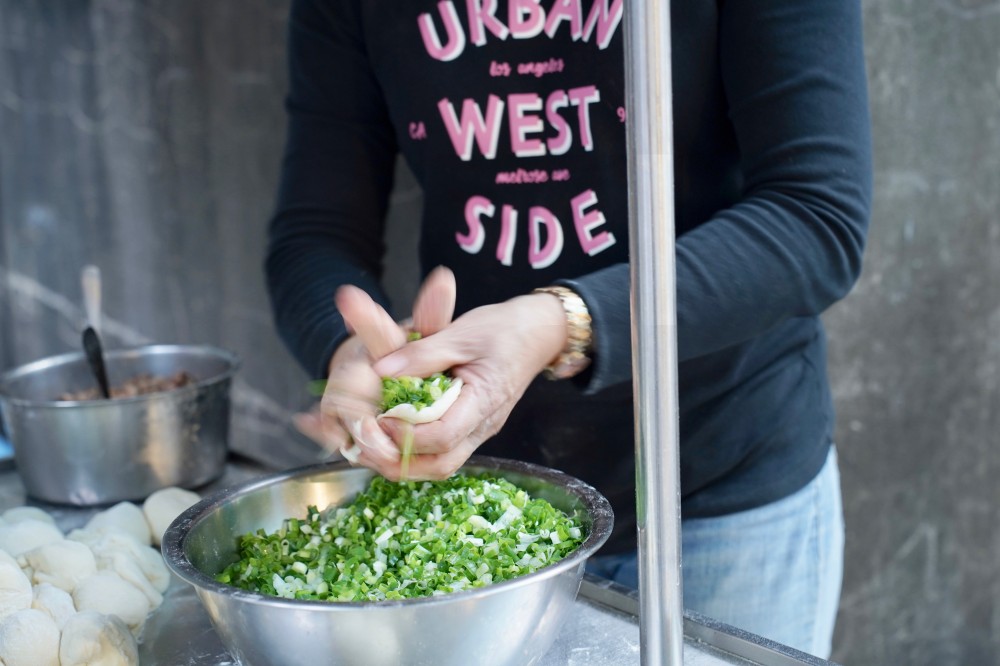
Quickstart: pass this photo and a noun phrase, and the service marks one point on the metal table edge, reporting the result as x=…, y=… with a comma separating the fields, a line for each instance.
x=697, y=627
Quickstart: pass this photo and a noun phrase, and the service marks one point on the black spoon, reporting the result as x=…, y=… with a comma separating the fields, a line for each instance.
x=90, y=281
x=95, y=358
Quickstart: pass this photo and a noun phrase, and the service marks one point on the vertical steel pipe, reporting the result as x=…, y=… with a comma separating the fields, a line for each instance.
x=654, y=327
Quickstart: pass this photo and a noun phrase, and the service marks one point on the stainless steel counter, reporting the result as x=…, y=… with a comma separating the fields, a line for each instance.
x=604, y=628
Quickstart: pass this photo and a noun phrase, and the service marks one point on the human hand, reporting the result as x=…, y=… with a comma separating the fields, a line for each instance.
x=496, y=350
x=345, y=418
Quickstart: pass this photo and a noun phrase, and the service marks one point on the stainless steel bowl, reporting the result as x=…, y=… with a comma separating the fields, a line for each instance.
x=102, y=451
x=513, y=622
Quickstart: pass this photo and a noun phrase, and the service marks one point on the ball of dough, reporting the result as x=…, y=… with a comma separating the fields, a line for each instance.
x=125, y=565
x=54, y=602
x=15, y=588
x=29, y=637
x=19, y=513
x=20, y=537
x=105, y=544
x=93, y=639
x=63, y=564
x=107, y=592
x=163, y=506
x=123, y=516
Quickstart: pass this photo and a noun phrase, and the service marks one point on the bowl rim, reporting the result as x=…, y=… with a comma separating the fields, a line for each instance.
x=232, y=360
x=172, y=543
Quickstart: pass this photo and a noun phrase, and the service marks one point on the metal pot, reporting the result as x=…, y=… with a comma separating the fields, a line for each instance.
x=103, y=451
x=508, y=623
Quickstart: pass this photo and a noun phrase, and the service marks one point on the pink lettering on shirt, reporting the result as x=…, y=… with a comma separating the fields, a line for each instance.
x=606, y=20
x=541, y=222
x=565, y=10
x=508, y=234
x=586, y=221
x=582, y=98
x=482, y=17
x=525, y=18
x=475, y=207
x=523, y=122
x=432, y=41
x=563, y=140
x=473, y=126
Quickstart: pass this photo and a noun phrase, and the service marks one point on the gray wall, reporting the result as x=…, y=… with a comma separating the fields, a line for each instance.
x=145, y=137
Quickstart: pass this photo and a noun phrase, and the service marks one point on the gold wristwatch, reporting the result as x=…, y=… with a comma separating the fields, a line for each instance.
x=575, y=356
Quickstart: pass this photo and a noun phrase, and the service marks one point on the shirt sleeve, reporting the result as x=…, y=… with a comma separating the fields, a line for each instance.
x=336, y=177
x=794, y=76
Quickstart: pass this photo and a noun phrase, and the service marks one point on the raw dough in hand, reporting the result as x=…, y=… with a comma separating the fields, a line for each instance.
x=54, y=602
x=15, y=588
x=63, y=564
x=163, y=506
x=107, y=592
x=433, y=412
x=93, y=639
x=29, y=637
x=20, y=537
x=125, y=517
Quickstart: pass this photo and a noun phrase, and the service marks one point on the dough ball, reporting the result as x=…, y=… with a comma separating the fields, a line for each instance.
x=126, y=566
x=15, y=589
x=19, y=513
x=93, y=639
x=107, y=592
x=124, y=516
x=54, y=602
x=22, y=536
x=29, y=637
x=164, y=505
x=63, y=564
x=105, y=544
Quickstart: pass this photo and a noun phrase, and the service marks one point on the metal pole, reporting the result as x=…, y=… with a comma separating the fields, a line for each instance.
x=649, y=102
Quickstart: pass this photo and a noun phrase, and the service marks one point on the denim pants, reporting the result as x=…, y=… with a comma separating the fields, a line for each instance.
x=774, y=571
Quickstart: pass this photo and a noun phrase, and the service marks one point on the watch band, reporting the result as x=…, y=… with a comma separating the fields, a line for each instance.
x=575, y=356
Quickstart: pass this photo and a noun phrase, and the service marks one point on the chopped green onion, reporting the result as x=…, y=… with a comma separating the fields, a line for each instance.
x=407, y=539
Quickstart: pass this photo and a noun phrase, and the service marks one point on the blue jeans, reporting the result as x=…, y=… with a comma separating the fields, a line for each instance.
x=774, y=571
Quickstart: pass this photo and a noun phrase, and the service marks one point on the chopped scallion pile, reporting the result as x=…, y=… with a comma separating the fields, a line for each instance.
x=407, y=539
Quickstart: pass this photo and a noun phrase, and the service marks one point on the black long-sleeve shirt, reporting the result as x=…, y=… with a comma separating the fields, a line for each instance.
x=512, y=119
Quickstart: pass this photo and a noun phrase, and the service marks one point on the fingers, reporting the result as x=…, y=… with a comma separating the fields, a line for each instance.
x=435, y=303
x=427, y=467
x=369, y=321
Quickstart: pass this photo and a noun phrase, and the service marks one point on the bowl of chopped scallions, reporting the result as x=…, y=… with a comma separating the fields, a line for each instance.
x=331, y=564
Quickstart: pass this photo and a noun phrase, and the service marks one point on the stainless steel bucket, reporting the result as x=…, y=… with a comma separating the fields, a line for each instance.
x=103, y=451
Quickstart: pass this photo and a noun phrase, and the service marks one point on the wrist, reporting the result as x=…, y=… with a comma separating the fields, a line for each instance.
x=573, y=356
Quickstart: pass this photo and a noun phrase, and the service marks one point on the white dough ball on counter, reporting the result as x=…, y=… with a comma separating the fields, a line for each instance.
x=22, y=536
x=15, y=588
x=105, y=544
x=126, y=566
x=164, y=505
x=21, y=513
x=29, y=637
x=124, y=516
x=108, y=593
x=54, y=602
x=94, y=639
x=63, y=564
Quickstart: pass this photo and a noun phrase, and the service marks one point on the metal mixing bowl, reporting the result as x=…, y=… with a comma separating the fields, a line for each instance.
x=102, y=451
x=512, y=622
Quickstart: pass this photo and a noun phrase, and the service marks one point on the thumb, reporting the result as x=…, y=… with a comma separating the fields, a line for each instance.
x=435, y=304
x=369, y=321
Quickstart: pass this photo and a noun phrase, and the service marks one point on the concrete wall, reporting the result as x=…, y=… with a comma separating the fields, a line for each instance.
x=145, y=137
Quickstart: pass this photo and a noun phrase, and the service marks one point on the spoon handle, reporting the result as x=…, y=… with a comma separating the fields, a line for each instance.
x=90, y=279
x=95, y=357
